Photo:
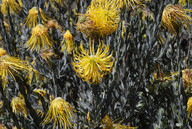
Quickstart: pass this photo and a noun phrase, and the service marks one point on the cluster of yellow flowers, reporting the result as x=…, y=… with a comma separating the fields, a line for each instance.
x=101, y=19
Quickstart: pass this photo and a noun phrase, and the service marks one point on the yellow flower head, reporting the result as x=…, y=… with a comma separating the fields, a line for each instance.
x=101, y=19
x=91, y=66
x=60, y=112
x=14, y=7
x=10, y=66
x=32, y=18
x=174, y=17
x=67, y=42
x=40, y=38
x=189, y=106
x=187, y=79
x=18, y=106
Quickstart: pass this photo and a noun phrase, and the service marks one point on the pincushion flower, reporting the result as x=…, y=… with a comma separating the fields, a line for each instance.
x=40, y=38
x=101, y=19
x=14, y=6
x=91, y=66
x=18, y=106
x=67, y=42
x=61, y=113
x=10, y=66
x=174, y=17
x=32, y=18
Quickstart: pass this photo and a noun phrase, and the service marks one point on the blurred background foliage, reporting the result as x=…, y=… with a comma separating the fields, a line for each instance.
x=144, y=90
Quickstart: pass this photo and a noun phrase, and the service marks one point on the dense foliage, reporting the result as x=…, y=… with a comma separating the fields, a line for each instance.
x=95, y=64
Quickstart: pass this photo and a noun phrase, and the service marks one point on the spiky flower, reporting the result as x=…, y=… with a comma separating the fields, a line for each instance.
x=67, y=42
x=18, y=106
x=12, y=5
x=174, y=17
x=10, y=66
x=61, y=113
x=40, y=38
x=189, y=106
x=101, y=19
x=32, y=18
x=91, y=66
